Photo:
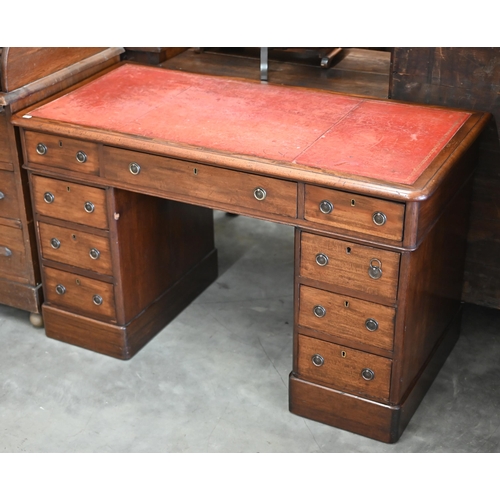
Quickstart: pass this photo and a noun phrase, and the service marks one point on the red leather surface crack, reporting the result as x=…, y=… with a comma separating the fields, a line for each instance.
x=377, y=139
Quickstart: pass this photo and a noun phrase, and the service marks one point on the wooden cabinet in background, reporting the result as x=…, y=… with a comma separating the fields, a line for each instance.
x=469, y=78
x=29, y=75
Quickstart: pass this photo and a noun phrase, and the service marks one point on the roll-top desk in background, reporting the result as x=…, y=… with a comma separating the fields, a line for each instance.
x=126, y=168
x=28, y=75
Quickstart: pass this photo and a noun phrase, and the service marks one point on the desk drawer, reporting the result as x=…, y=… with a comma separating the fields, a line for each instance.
x=344, y=369
x=9, y=206
x=68, y=201
x=202, y=183
x=79, y=294
x=12, y=253
x=347, y=317
x=354, y=212
x=55, y=151
x=349, y=265
x=76, y=248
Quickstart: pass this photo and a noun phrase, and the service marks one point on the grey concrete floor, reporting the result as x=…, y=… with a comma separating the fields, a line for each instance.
x=216, y=378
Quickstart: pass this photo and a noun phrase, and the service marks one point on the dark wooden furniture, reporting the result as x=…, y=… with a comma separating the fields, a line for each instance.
x=354, y=70
x=125, y=169
x=151, y=55
x=464, y=77
x=28, y=75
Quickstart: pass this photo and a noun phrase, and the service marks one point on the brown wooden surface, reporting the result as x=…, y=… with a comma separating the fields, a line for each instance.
x=342, y=368
x=356, y=71
x=79, y=293
x=123, y=342
x=5, y=153
x=355, y=212
x=12, y=254
x=201, y=182
x=429, y=293
x=348, y=265
x=61, y=152
x=69, y=201
x=467, y=78
x=345, y=318
x=23, y=65
x=75, y=246
x=340, y=409
x=155, y=243
x=29, y=75
x=9, y=202
x=151, y=55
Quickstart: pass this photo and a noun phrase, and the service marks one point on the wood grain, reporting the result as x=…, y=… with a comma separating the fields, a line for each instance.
x=9, y=202
x=355, y=212
x=346, y=317
x=75, y=246
x=202, y=183
x=69, y=201
x=22, y=65
x=12, y=254
x=79, y=293
x=61, y=152
x=348, y=265
x=465, y=77
x=342, y=368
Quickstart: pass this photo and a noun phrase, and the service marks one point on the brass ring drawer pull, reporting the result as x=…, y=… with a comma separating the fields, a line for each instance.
x=41, y=148
x=367, y=374
x=2, y=196
x=321, y=259
x=88, y=207
x=94, y=253
x=60, y=289
x=371, y=325
x=55, y=243
x=317, y=360
x=325, y=207
x=5, y=252
x=375, y=269
x=259, y=194
x=134, y=168
x=97, y=300
x=379, y=218
x=48, y=197
x=81, y=157
x=319, y=311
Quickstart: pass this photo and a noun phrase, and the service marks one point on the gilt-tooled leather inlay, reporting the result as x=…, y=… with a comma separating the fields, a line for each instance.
x=377, y=139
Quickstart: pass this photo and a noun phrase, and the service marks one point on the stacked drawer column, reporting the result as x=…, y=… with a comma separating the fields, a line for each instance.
x=117, y=265
x=346, y=305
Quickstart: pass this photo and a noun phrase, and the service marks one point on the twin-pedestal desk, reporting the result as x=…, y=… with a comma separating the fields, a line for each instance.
x=126, y=168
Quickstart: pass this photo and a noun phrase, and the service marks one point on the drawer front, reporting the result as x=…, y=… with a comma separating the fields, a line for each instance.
x=202, y=183
x=347, y=317
x=9, y=206
x=68, y=201
x=344, y=369
x=61, y=152
x=354, y=212
x=76, y=248
x=79, y=294
x=349, y=265
x=12, y=253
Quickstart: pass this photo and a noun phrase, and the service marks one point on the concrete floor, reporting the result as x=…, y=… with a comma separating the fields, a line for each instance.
x=216, y=379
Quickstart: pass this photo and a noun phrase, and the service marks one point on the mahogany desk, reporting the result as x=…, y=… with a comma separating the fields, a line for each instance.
x=125, y=169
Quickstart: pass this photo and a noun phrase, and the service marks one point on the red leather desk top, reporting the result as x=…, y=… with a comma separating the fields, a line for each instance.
x=376, y=139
